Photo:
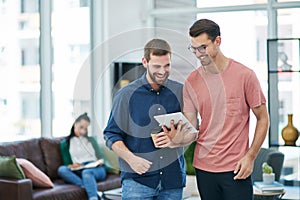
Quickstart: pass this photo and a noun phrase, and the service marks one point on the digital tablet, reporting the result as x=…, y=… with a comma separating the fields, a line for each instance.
x=164, y=120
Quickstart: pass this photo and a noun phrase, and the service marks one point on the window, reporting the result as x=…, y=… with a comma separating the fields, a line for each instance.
x=216, y=3
x=3, y=5
x=29, y=56
x=71, y=46
x=29, y=6
x=78, y=3
x=29, y=110
x=288, y=24
x=19, y=85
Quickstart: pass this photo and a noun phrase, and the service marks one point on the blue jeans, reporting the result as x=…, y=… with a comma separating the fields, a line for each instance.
x=134, y=190
x=86, y=178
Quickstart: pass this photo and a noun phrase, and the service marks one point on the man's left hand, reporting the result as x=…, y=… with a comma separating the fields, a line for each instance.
x=244, y=168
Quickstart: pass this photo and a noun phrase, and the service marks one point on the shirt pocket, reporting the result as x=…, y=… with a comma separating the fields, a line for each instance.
x=233, y=107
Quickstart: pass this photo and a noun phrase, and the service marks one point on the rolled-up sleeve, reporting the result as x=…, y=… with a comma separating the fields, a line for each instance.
x=112, y=132
x=118, y=120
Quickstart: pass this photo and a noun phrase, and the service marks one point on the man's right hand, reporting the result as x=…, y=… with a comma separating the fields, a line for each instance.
x=139, y=165
x=177, y=134
x=180, y=135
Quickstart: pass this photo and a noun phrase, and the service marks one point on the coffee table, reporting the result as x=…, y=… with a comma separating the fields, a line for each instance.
x=115, y=194
x=267, y=196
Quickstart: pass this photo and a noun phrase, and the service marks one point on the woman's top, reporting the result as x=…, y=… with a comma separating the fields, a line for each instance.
x=81, y=150
x=67, y=160
x=65, y=150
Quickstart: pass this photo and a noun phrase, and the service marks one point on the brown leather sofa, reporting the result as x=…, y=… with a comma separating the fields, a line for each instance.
x=44, y=153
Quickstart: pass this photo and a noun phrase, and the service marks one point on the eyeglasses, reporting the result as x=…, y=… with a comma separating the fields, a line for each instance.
x=201, y=49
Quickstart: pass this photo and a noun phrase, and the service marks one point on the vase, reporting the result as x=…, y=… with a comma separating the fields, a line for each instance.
x=289, y=133
x=268, y=178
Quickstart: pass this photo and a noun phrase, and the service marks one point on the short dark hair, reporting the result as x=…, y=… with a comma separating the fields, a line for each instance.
x=205, y=26
x=157, y=47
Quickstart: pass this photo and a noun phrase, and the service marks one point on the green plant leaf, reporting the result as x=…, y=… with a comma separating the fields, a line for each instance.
x=267, y=169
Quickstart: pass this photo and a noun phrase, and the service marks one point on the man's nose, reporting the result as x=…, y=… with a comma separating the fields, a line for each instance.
x=162, y=70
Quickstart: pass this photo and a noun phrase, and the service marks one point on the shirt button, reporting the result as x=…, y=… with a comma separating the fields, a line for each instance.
x=160, y=172
x=161, y=157
x=157, y=93
x=158, y=108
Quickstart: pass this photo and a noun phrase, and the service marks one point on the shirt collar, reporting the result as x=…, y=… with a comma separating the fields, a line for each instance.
x=146, y=84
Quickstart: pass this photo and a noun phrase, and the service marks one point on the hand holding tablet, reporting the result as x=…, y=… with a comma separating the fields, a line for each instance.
x=165, y=120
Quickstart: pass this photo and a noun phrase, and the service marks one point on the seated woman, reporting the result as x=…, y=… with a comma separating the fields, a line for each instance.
x=77, y=150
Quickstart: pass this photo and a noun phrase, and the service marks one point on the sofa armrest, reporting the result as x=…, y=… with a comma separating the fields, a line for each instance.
x=13, y=189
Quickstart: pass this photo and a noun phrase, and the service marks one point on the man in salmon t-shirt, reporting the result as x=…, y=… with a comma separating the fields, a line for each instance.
x=222, y=91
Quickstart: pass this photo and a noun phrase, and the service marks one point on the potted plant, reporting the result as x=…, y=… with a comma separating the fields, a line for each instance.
x=268, y=175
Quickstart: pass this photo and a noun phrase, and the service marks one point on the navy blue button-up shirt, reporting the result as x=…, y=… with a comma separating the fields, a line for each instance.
x=131, y=120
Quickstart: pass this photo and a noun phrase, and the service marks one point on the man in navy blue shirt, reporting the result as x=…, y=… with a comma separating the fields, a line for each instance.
x=147, y=172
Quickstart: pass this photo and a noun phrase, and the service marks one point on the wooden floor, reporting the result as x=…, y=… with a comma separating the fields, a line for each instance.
x=191, y=191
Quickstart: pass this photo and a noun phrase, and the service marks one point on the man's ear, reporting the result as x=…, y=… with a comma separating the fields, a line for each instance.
x=218, y=40
x=144, y=61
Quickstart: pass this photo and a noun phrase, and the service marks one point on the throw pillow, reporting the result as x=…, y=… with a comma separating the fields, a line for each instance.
x=10, y=168
x=38, y=178
x=110, y=157
x=111, y=160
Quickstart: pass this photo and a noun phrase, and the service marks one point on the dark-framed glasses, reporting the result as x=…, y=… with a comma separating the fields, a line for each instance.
x=201, y=49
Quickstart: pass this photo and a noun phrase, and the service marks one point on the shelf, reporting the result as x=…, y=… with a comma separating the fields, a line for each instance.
x=277, y=39
x=282, y=145
x=284, y=71
x=283, y=87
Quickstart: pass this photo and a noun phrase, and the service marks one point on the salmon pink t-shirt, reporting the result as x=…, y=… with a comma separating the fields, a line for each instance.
x=223, y=101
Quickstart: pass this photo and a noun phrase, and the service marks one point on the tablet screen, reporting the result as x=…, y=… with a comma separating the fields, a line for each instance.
x=164, y=120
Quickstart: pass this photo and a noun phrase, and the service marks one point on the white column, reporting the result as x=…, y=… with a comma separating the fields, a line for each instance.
x=100, y=97
x=45, y=68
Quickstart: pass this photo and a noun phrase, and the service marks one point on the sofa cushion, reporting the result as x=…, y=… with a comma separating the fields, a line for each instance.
x=111, y=181
x=51, y=155
x=29, y=149
x=10, y=168
x=38, y=178
x=61, y=191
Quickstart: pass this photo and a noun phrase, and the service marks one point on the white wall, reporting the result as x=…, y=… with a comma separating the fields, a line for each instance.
x=122, y=35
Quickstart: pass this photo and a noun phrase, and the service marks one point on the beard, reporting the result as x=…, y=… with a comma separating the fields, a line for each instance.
x=158, y=78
